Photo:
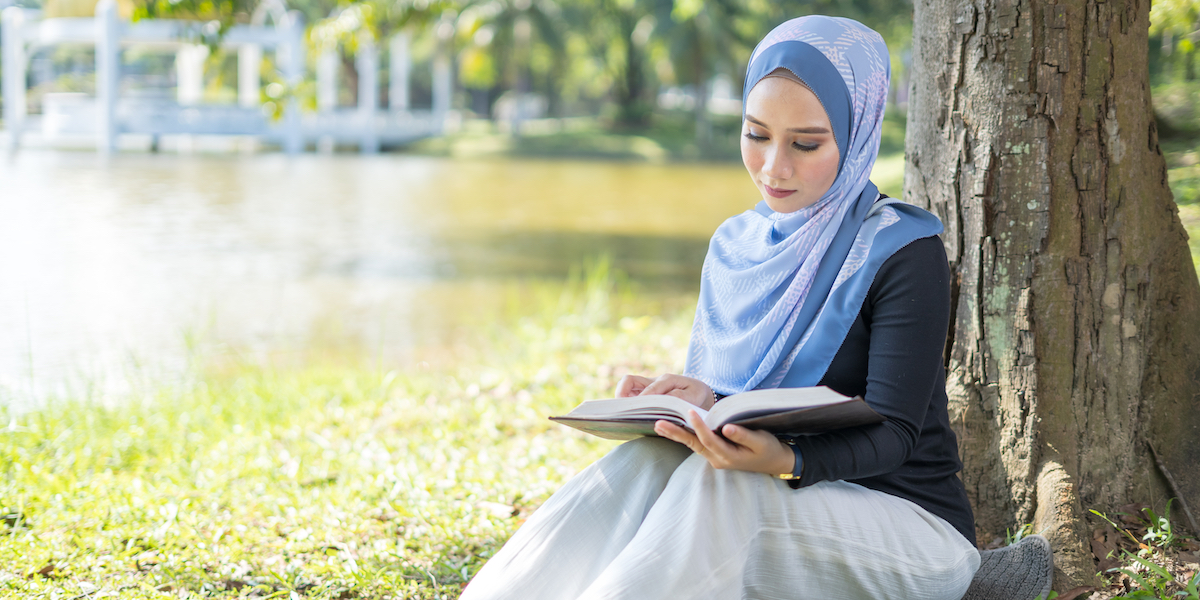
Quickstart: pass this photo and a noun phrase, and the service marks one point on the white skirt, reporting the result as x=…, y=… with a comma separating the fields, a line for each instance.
x=653, y=521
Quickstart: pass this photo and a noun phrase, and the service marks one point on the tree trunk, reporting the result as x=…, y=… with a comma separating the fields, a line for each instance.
x=699, y=67
x=630, y=92
x=1076, y=334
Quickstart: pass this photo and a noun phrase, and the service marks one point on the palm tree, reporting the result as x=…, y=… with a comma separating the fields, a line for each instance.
x=507, y=32
x=705, y=37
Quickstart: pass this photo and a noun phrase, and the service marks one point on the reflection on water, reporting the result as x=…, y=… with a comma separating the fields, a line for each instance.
x=109, y=266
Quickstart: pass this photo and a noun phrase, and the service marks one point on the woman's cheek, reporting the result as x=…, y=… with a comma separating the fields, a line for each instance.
x=748, y=158
x=828, y=168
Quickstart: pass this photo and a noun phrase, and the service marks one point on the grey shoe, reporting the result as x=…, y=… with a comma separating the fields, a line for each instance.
x=1022, y=571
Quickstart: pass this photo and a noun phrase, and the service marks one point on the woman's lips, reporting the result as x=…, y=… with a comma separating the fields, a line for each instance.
x=776, y=193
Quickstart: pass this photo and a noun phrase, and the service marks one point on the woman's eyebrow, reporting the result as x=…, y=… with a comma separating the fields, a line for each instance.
x=791, y=129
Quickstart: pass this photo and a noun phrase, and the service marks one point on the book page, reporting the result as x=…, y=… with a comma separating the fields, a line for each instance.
x=635, y=407
x=761, y=401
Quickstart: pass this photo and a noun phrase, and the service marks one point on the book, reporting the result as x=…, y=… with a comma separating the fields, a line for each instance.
x=785, y=411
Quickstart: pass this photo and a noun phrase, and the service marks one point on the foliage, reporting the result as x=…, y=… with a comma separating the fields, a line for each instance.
x=1184, y=176
x=338, y=478
x=578, y=54
x=1175, y=33
x=1157, y=569
x=1011, y=538
x=218, y=14
x=1177, y=17
x=1158, y=583
x=1159, y=532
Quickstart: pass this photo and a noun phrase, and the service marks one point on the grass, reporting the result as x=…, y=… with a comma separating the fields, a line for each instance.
x=668, y=137
x=1183, y=170
x=1141, y=555
x=1190, y=215
x=325, y=480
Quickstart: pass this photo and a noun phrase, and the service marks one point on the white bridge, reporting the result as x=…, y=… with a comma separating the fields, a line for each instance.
x=108, y=115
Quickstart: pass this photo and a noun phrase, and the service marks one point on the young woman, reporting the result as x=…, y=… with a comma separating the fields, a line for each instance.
x=824, y=282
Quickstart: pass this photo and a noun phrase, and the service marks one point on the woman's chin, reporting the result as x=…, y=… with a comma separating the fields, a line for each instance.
x=788, y=204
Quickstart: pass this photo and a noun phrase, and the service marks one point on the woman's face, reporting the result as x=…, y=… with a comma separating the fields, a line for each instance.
x=787, y=144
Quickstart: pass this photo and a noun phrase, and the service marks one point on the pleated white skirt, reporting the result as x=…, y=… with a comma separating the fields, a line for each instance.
x=653, y=521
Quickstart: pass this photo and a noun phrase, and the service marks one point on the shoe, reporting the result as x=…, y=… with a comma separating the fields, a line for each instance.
x=1022, y=571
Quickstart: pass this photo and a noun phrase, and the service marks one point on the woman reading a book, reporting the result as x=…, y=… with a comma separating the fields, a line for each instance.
x=824, y=282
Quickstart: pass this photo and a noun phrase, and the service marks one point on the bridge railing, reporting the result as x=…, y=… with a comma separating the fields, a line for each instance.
x=109, y=115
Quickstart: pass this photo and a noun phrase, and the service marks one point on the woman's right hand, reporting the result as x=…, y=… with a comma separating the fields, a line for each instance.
x=691, y=390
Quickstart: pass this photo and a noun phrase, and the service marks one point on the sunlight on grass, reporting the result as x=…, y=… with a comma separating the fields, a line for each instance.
x=332, y=480
x=1190, y=215
x=888, y=174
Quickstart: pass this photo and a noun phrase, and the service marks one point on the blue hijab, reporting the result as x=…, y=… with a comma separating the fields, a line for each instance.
x=779, y=291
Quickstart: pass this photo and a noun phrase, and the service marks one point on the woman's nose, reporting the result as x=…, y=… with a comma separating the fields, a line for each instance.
x=776, y=164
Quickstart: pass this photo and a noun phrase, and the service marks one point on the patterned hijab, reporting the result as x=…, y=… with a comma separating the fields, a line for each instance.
x=779, y=291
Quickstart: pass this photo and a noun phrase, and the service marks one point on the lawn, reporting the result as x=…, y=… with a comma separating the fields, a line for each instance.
x=1190, y=215
x=331, y=479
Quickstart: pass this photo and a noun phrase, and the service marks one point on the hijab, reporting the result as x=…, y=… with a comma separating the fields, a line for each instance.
x=779, y=291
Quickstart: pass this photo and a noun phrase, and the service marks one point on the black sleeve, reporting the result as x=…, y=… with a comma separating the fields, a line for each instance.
x=906, y=313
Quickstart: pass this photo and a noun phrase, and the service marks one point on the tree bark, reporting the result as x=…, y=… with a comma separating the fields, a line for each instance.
x=1076, y=333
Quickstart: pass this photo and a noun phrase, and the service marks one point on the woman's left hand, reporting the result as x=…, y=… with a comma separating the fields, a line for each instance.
x=744, y=450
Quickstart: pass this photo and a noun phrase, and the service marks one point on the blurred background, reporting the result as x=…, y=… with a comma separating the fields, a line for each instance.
x=190, y=178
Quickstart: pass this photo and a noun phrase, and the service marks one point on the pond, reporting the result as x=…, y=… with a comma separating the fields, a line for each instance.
x=118, y=270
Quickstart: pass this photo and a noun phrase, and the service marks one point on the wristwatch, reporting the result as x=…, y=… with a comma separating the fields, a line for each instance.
x=797, y=466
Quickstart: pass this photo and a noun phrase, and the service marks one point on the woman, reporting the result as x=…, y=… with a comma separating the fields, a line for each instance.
x=825, y=282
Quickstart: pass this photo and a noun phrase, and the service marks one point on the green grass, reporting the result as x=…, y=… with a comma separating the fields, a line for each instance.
x=1183, y=169
x=1190, y=215
x=670, y=136
x=332, y=479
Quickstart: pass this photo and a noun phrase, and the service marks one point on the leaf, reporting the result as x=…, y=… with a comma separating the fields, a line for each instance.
x=50, y=571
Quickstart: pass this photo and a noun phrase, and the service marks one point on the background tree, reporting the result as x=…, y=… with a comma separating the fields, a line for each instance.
x=1177, y=23
x=503, y=37
x=1076, y=338
x=626, y=27
x=704, y=38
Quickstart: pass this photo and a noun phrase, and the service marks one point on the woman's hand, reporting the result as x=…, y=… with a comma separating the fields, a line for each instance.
x=691, y=390
x=745, y=449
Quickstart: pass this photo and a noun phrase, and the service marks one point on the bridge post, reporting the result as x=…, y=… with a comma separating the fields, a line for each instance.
x=399, y=67
x=291, y=57
x=189, y=66
x=12, y=21
x=108, y=75
x=328, y=63
x=367, y=64
x=249, y=63
x=443, y=83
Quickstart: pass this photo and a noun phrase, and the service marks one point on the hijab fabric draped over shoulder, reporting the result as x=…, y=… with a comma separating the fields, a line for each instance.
x=779, y=291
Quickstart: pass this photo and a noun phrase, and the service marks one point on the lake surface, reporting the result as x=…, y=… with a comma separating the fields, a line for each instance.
x=117, y=270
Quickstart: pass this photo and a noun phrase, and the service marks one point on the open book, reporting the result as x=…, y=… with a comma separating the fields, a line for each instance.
x=782, y=410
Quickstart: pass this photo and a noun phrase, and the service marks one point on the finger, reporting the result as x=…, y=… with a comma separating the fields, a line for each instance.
x=631, y=385
x=708, y=437
x=663, y=385
x=751, y=439
x=676, y=433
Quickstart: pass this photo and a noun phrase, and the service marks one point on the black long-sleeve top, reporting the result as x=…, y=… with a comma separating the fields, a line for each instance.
x=892, y=357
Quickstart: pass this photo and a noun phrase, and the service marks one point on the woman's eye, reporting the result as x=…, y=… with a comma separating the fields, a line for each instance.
x=804, y=148
x=755, y=138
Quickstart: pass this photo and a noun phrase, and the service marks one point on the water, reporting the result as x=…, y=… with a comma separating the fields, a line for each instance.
x=117, y=270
